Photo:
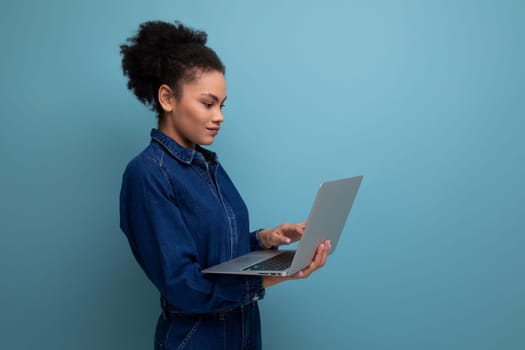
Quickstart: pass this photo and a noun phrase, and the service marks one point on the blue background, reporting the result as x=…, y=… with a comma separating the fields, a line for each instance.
x=423, y=98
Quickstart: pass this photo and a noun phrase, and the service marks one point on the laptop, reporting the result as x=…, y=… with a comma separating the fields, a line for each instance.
x=326, y=221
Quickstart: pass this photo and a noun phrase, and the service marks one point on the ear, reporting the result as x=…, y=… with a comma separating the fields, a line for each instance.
x=166, y=98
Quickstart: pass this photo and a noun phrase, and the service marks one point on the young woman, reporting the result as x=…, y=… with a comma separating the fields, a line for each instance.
x=179, y=209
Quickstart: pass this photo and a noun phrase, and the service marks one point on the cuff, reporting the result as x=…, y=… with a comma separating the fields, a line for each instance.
x=255, y=243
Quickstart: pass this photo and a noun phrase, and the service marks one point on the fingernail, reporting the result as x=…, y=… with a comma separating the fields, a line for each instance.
x=322, y=246
x=287, y=240
x=300, y=274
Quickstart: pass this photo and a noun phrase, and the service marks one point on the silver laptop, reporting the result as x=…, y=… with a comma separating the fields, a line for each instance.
x=326, y=221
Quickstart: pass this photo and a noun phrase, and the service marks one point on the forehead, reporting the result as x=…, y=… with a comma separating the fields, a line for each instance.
x=206, y=82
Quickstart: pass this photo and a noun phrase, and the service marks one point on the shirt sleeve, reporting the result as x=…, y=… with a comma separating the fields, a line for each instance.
x=166, y=251
x=255, y=243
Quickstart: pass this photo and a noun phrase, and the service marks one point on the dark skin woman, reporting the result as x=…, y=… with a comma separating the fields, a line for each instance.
x=180, y=210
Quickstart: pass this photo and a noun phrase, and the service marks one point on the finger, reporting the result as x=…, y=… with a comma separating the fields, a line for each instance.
x=287, y=227
x=286, y=233
x=302, y=224
x=283, y=239
x=304, y=273
x=324, y=255
x=320, y=257
x=278, y=238
x=316, y=261
x=293, y=231
x=328, y=246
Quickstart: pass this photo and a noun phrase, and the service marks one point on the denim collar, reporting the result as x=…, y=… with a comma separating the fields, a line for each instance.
x=183, y=154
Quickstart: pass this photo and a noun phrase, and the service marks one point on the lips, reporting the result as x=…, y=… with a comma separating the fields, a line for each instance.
x=214, y=131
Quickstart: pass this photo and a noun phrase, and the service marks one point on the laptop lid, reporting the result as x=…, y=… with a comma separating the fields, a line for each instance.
x=326, y=220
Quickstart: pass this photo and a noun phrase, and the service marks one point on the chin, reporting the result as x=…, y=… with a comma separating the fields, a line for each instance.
x=207, y=141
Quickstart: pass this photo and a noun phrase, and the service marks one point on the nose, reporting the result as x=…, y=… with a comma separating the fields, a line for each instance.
x=218, y=117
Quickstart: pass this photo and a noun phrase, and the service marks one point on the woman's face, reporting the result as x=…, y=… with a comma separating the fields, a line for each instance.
x=195, y=117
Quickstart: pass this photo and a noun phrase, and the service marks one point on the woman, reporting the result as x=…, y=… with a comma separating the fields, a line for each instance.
x=179, y=209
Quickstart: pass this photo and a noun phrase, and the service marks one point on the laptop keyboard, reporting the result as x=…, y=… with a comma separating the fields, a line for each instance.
x=276, y=263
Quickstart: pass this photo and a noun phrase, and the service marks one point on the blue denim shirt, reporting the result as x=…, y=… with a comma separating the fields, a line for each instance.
x=181, y=214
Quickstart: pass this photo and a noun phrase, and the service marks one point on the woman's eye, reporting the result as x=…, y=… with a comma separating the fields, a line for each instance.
x=207, y=105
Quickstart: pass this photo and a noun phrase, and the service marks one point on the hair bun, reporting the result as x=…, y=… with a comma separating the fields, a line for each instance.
x=168, y=36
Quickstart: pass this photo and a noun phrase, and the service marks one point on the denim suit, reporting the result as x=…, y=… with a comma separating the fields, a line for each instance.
x=181, y=213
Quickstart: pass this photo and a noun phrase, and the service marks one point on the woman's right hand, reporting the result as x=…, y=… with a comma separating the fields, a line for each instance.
x=318, y=261
x=283, y=234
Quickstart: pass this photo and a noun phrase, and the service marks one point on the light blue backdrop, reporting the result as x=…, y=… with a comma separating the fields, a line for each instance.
x=423, y=98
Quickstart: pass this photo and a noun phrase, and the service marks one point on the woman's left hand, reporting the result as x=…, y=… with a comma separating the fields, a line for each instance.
x=318, y=261
x=283, y=234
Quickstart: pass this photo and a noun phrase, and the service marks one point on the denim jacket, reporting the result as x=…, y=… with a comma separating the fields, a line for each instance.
x=181, y=214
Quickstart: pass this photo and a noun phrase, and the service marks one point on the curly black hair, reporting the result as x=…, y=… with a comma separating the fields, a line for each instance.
x=165, y=53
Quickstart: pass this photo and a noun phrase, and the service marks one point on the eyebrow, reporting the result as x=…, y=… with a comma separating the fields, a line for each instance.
x=213, y=96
